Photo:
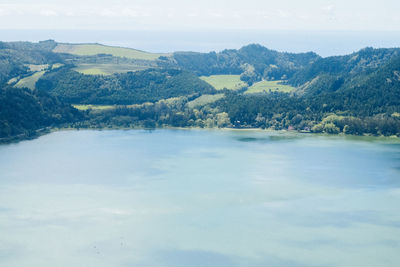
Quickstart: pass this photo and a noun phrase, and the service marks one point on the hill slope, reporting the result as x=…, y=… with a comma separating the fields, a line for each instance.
x=23, y=112
x=355, y=94
x=253, y=62
x=126, y=88
x=333, y=73
x=96, y=49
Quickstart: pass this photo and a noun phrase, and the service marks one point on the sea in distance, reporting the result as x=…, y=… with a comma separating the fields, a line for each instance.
x=325, y=43
x=195, y=198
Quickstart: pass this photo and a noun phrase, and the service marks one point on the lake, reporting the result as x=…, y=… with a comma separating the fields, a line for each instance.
x=191, y=198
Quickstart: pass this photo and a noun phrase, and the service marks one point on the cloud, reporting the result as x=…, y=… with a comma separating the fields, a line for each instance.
x=48, y=13
x=330, y=12
x=10, y=9
x=129, y=12
x=283, y=14
x=106, y=12
x=217, y=15
x=328, y=8
x=119, y=11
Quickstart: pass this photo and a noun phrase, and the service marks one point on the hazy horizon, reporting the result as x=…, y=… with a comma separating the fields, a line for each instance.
x=326, y=27
x=324, y=43
x=201, y=15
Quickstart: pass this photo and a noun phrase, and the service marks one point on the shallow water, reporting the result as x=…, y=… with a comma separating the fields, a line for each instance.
x=183, y=198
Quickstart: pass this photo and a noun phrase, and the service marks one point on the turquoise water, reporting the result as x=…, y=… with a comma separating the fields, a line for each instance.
x=188, y=198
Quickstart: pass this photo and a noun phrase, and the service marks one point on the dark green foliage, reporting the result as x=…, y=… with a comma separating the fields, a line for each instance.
x=268, y=64
x=14, y=55
x=348, y=67
x=352, y=94
x=22, y=112
x=280, y=111
x=127, y=88
x=211, y=63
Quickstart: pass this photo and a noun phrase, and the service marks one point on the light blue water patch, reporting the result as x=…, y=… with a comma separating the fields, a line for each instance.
x=199, y=198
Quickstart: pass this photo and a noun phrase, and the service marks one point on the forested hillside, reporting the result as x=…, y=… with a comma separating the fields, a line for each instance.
x=23, y=112
x=254, y=87
x=253, y=62
x=334, y=73
x=15, y=56
x=123, y=89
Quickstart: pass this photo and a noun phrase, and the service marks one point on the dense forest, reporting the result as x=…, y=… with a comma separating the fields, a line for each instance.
x=24, y=113
x=124, y=88
x=352, y=94
x=253, y=62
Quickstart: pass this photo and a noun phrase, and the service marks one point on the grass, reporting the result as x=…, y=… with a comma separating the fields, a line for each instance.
x=30, y=81
x=56, y=66
x=93, y=107
x=13, y=80
x=269, y=86
x=33, y=67
x=106, y=69
x=200, y=101
x=219, y=82
x=204, y=100
x=95, y=49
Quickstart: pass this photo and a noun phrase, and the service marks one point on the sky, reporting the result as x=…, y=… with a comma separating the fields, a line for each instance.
x=359, y=15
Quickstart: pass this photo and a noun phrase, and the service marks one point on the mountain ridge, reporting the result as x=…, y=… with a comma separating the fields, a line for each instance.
x=358, y=93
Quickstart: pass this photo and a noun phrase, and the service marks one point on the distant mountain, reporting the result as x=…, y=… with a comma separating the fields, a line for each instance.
x=253, y=62
x=340, y=72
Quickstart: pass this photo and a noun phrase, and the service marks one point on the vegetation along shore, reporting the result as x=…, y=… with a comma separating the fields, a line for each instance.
x=48, y=85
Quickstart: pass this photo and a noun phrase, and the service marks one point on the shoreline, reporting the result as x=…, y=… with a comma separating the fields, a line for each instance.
x=49, y=130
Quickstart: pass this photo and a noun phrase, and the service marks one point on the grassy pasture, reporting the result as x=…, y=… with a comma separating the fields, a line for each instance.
x=267, y=86
x=30, y=81
x=95, y=49
x=94, y=107
x=106, y=69
x=13, y=80
x=33, y=67
x=219, y=82
x=204, y=100
x=56, y=66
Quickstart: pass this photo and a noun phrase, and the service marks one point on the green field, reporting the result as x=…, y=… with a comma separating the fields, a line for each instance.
x=56, y=66
x=93, y=107
x=13, y=80
x=269, y=86
x=95, y=49
x=30, y=81
x=33, y=67
x=219, y=82
x=204, y=100
x=106, y=69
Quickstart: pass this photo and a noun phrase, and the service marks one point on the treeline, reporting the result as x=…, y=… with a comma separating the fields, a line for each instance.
x=253, y=62
x=138, y=87
x=173, y=113
x=330, y=113
x=15, y=55
x=23, y=112
x=352, y=94
x=343, y=72
x=276, y=112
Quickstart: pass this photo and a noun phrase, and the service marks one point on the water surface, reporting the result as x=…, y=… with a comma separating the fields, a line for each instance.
x=183, y=198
